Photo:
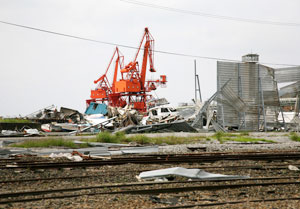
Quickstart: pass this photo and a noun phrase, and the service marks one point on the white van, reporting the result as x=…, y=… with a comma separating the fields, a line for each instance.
x=161, y=114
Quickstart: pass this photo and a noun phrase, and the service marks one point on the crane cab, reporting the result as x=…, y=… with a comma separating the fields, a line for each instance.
x=127, y=86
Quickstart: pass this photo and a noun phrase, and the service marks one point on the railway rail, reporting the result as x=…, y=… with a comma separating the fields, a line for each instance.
x=60, y=186
x=158, y=159
x=208, y=168
x=231, y=202
x=101, y=175
x=137, y=188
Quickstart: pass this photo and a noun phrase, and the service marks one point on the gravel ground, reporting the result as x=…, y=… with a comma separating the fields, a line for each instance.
x=215, y=146
x=127, y=173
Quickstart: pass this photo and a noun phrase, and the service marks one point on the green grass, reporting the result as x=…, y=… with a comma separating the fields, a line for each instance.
x=110, y=138
x=14, y=120
x=244, y=133
x=120, y=137
x=142, y=139
x=238, y=137
x=49, y=143
x=222, y=134
x=171, y=140
x=295, y=137
x=247, y=139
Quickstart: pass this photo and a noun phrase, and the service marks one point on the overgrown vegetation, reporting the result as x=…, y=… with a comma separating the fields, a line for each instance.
x=295, y=137
x=244, y=133
x=14, y=120
x=238, y=137
x=120, y=137
x=50, y=143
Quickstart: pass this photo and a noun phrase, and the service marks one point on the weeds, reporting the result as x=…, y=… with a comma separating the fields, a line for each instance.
x=106, y=137
x=218, y=135
x=141, y=139
x=295, y=137
x=120, y=137
x=248, y=139
x=171, y=140
x=14, y=120
x=49, y=143
x=244, y=133
x=238, y=137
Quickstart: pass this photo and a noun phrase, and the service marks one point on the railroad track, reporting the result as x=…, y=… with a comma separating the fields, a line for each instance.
x=103, y=175
x=232, y=202
x=25, y=192
x=138, y=188
x=208, y=168
x=250, y=166
x=158, y=159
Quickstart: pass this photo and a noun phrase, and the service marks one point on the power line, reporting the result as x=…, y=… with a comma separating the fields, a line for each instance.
x=66, y=35
x=211, y=15
x=127, y=46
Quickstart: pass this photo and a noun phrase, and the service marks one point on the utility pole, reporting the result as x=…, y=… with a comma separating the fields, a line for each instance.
x=197, y=84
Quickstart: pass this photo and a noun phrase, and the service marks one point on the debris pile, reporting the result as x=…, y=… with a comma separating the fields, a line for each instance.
x=247, y=99
x=100, y=117
x=124, y=116
x=25, y=131
x=51, y=114
x=161, y=114
x=69, y=156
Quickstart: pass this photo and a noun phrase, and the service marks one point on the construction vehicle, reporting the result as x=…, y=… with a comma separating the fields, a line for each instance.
x=132, y=88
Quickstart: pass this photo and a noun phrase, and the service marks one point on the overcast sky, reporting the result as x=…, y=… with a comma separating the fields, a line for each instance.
x=39, y=69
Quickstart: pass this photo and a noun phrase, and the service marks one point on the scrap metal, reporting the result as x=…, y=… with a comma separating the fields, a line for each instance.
x=188, y=173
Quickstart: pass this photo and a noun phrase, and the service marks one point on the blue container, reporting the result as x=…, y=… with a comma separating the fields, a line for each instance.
x=96, y=108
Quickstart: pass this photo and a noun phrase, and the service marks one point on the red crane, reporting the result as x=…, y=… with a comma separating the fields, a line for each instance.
x=132, y=88
x=105, y=92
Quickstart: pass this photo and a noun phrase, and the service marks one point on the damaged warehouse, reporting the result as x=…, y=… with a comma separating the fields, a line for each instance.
x=255, y=88
x=248, y=98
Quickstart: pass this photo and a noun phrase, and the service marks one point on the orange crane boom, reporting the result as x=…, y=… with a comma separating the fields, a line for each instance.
x=132, y=88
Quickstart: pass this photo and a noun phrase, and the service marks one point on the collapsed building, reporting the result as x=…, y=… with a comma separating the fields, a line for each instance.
x=248, y=97
x=51, y=114
x=289, y=79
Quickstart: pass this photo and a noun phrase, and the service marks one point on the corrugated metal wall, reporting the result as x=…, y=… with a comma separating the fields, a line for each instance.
x=245, y=83
x=289, y=74
x=290, y=91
